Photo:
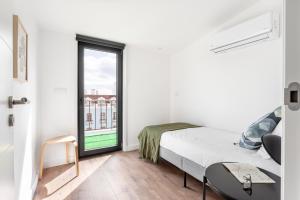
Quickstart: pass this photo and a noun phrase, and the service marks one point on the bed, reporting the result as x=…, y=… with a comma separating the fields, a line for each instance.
x=193, y=149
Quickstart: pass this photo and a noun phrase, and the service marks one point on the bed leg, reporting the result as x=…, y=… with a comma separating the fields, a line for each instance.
x=184, y=181
x=204, y=188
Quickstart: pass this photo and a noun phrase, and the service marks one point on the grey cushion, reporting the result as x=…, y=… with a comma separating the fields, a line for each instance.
x=251, y=138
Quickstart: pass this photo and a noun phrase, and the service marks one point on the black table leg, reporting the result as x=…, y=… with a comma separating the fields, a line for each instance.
x=184, y=182
x=204, y=187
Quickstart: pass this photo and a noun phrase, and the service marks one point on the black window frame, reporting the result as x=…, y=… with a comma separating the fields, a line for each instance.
x=107, y=46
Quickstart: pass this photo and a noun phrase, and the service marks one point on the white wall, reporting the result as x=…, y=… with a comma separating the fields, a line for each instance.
x=231, y=90
x=58, y=91
x=145, y=91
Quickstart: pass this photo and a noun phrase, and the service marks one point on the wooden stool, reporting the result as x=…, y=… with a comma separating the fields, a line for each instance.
x=61, y=139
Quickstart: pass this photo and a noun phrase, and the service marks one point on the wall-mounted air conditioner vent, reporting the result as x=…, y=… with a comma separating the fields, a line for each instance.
x=262, y=28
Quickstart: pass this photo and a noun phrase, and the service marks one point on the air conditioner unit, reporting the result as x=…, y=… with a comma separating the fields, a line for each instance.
x=262, y=28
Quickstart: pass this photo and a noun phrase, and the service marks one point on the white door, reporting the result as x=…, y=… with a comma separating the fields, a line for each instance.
x=6, y=132
x=291, y=142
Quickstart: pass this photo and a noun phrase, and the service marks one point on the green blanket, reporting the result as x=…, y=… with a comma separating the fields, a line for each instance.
x=149, y=138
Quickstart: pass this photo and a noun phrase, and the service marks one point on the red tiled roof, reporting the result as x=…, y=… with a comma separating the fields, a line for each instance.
x=96, y=97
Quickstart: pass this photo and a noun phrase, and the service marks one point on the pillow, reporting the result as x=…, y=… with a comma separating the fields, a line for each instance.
x=251, y=138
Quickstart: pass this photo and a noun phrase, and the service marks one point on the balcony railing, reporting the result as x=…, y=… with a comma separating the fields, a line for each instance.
x=100, y=112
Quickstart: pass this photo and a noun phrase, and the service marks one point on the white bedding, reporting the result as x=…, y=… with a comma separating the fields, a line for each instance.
x=206, y=146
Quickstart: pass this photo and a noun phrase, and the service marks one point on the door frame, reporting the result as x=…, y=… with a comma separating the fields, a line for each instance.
x=291, y=138
x=107, y=46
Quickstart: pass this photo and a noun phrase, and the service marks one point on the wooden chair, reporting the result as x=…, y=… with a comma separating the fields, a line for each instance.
x=57, y=140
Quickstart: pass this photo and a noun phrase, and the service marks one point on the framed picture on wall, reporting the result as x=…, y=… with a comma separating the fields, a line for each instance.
x=20, y=50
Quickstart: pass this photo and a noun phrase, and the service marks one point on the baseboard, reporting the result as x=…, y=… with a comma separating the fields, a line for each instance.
x=34, y=185
x=131, y=147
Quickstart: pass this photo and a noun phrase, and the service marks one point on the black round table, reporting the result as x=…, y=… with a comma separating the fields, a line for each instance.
x=218, y=177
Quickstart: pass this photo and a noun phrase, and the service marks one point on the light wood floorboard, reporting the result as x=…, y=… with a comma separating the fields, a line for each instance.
x=122, y=176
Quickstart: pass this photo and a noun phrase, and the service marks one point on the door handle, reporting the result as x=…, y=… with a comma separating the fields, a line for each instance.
x=12, y=102
x=81, y=100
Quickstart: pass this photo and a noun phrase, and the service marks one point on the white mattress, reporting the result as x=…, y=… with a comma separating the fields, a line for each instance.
x=206, y=146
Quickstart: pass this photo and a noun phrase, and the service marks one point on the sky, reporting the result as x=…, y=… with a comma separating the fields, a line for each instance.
x=100, y=71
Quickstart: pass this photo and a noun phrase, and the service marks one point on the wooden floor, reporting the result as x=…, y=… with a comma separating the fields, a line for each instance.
x=118, y=176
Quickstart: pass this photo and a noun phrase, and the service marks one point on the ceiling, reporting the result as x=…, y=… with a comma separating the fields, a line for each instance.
x=163, y=25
